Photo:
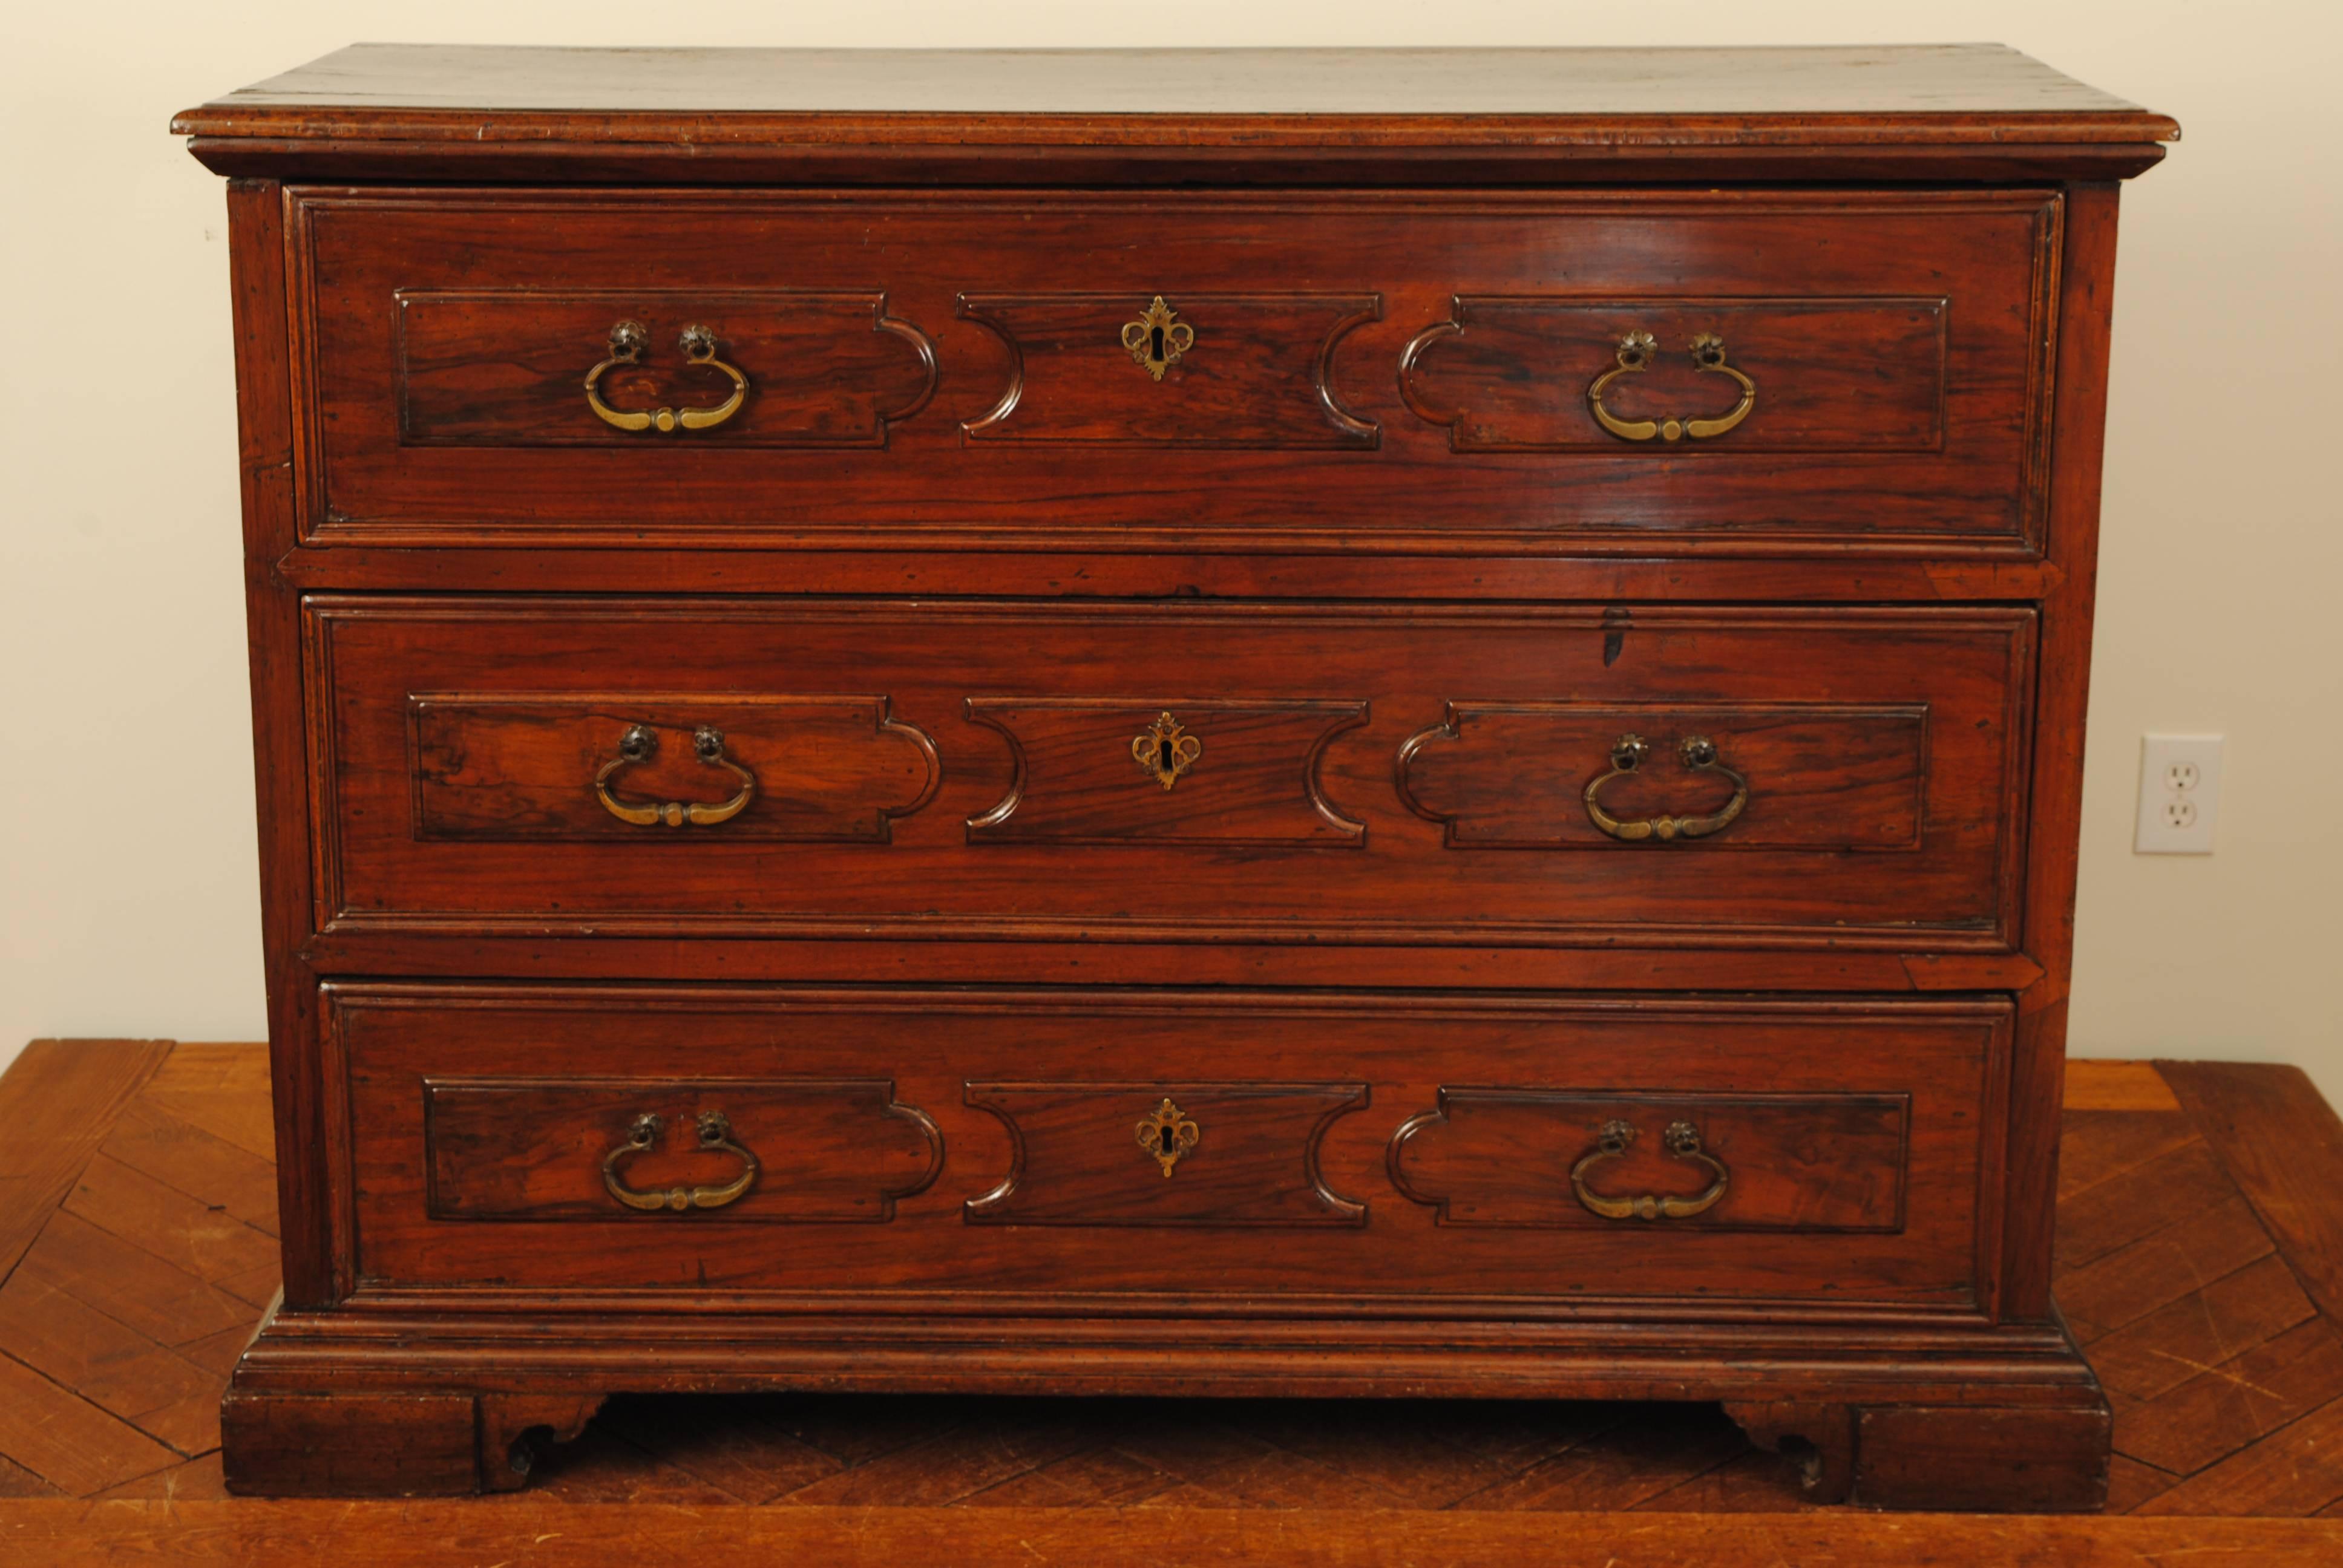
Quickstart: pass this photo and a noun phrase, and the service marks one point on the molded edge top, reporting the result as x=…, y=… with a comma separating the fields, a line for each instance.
x=1553, y=99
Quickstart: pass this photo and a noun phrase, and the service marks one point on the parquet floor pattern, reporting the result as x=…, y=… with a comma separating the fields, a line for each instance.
x=2203, y=1272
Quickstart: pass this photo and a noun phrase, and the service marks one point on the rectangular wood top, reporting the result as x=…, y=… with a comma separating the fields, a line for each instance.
x=1983, y=79
x=1562, y=105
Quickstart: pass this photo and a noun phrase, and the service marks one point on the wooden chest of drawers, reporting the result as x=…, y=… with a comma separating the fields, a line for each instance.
x=1310, y=722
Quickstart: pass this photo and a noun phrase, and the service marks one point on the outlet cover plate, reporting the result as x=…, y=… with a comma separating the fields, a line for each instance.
x=2180, y=794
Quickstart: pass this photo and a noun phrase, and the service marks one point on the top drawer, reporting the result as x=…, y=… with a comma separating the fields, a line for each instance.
x=1640, y=371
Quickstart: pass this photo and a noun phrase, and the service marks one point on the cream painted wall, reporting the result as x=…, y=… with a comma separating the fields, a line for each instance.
x=127, y=892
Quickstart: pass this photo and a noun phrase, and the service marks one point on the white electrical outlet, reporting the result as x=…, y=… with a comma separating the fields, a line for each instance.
x=2180, y=794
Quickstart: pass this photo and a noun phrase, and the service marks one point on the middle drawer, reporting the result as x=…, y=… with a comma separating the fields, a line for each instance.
x=1173, y=772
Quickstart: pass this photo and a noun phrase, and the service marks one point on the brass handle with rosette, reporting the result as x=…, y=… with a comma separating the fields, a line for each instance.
x=1635, y=352
x=1699, y=755
x=714, y=1130
x=627, y=341
x=638, y=745
x=1683, y=1139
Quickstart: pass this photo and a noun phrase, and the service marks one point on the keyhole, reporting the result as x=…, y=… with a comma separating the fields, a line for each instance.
x=1163, y=755
x=1163, y=1139
x=1155, y=343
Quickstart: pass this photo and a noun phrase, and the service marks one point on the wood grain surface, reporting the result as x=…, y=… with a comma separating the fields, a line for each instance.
x=659, y=1531
x=1165, y=116
x=39, y=1161
x=1330, y=399
x=1372, y=503
x=2166, y=1264
x=1799, y=83
x=1043, y=828
x=1043, y=1187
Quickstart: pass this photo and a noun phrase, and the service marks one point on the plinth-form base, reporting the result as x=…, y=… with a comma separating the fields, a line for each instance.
x=2011, y=1459
x=379, y=1404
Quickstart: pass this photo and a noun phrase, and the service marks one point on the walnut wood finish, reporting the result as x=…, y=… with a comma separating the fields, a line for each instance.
x=1513, y=776
x=1070, y=784
x=1264, y=1164
x=1064, y=1533
x=1310, y=117
x=2287, y=1167
x=1365, y=542
x=501, y=369
x=838, y=1150
x=2164, y=1267
x=1505, y=1157
x=506, y=767
x=1045, y=827
x=40, y=1162
x=1841, y=375
x=1308, y=1109
x=1262, y=377
x=1038, y=431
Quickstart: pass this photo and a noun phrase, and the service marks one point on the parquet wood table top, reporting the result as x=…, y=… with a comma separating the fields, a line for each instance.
x=2196, y=1270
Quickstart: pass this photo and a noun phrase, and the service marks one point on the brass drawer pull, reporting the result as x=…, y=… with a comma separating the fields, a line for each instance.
x=1683, y=1139
x=1699, y=755
x=1167, y=1133
x=1156, y=339
x=637, y=745
x=627, y=340
x=1635, y=352
x=715, y=1136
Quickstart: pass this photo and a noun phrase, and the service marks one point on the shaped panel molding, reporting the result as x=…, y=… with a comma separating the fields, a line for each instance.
x=1506, y=1157
x=1821, y=776
x=523, y=766
x=841, y=1150
x=1251, y=777
x=1249, y=370
x=1079, y=1154
x=1510, y=373
x=503, y=368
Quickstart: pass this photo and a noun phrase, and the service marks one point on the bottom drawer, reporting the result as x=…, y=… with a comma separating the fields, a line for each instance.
x=1188, y=1147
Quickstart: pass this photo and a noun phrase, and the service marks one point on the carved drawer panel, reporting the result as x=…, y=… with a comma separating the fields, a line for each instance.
x=1072, y=784
x=1513, y=776
x=1480, y=373
x=603, y=1149
x=1178, y=1149
x=500, y=368
x=1374, y=774
x=1259, y=379
x=1841, y=375
x=1259, y=1165
x=1546, y=1156
x=506, y=767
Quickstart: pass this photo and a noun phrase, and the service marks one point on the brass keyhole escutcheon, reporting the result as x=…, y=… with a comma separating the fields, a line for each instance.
x=1168, y=1134
x=1156, y=339
x=1165, y=750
